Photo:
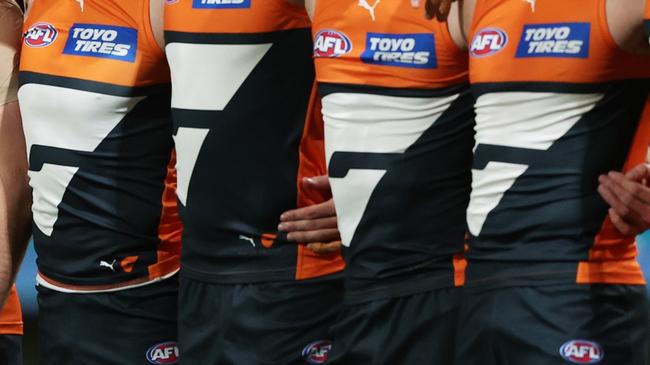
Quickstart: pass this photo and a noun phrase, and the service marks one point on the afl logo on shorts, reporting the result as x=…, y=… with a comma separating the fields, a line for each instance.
x=41, y=35
x=317, y=352
x=488, y=42
x=582, y=352
x=331, y=43
x=163, y=354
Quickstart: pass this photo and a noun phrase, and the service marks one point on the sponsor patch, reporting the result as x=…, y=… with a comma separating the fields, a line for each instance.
x=163, y=353
x=487, y=42
x=582, y=352
x=555, y=40
x=221, y=4
x=401, y=50
x=103, y=41
x=331, y=43
x=317, y=352
x=40, y=35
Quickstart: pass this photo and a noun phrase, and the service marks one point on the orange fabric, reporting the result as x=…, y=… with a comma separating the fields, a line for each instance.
x=606, y=61
x=170, y=230
x=612, y=258
x=394, y=17
x=460, y=264
x=147, y=68
x=312, y=163
x=268, y=16
x=11, y=316
x=646, y=14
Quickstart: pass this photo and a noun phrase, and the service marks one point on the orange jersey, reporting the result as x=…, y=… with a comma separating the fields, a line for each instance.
x=646, y=21
x=94, y=95
x=246, y=127
x=11, y=316
x=558, y=104
x=398, y=138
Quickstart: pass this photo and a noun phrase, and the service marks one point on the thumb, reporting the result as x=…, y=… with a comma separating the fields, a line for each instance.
x=321, y=182
x=638, y=173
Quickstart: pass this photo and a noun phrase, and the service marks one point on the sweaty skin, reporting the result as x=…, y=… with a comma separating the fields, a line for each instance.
x=15, y=194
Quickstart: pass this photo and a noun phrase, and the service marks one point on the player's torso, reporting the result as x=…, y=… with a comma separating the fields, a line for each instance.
x=94, y=95
x=242, y=77
x=558, y=104
x=398, y=136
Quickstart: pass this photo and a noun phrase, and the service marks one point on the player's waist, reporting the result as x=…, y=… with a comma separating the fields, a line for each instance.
x=363, y=285
x=485, y=275
x=71, y=286
x=249, y=258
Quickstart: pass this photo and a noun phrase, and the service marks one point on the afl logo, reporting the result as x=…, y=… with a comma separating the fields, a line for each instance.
x=163, y=354
x=331, y=43
x=488, y=42
x=41, y=35
x=582, y=352
x=317, y=352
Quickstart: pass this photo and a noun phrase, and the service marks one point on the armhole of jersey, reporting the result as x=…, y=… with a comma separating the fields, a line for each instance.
x=317, y=6
x=148, y=27
x=603, y=26
x=476, y=14
x=446, y=33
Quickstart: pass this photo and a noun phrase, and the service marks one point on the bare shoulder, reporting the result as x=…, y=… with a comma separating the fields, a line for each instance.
x=625, y=22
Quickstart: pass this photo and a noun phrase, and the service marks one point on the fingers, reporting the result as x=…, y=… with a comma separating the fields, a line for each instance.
x=317, y=182
x=627, y=190
x=639, y=173
x=621, y=225
x=315, y=211
x=308, y=225
x=324, y=248
x=431, y=8
x=628, y=214
x=443, y=10
x=321, y=235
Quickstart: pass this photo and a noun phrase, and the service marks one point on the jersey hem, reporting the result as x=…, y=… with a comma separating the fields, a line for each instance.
x=248, y=277
x=396, y=288
x=52, y=284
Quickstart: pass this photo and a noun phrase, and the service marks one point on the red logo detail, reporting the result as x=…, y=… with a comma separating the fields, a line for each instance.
x=488, y=42
x=317, y=352
x=582, y=352
x=331, y=43
x=40, y=35
x=163, y=354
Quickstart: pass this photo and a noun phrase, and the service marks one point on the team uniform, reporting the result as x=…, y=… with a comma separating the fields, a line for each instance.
x=558, y=104
x=398, y=134
x=94, y=91
x=242, y=77
x=11, y=20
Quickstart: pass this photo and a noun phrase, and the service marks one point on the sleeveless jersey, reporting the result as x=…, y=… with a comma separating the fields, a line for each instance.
x=242, y=75
x=558, y=104
x=94, y=95
x=398, y=136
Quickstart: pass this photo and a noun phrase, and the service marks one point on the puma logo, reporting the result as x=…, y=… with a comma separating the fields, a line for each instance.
x=371, y=9
x=106, y=264
x=81, y=4
x=246, y=238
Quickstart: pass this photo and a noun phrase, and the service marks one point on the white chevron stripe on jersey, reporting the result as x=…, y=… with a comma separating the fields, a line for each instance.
x=371, y=124
x=191, y=140
x=530, y=120
x=68, y=119
x=205, y=77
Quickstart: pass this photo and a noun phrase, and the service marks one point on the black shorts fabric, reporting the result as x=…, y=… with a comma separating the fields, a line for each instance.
x=275, y=323
x=554, y=325
x=128, y=327
x=11, y=350
x=412, y=330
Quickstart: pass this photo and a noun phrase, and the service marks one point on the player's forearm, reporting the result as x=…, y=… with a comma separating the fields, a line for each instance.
x=15, y=197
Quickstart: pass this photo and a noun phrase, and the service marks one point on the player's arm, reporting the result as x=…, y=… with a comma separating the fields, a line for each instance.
x=316, y=224
x=15, y=194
